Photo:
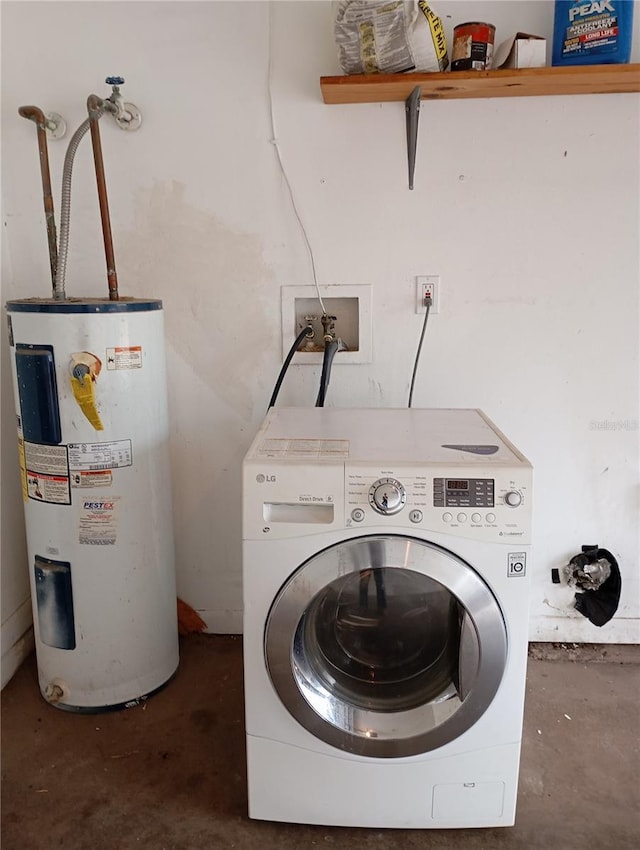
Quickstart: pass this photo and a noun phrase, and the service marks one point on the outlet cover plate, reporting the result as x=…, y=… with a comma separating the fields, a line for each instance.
x=361, y=294
x=430, y=283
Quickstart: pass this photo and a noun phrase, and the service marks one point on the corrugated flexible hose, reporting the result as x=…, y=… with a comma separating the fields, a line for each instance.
x=65, y=207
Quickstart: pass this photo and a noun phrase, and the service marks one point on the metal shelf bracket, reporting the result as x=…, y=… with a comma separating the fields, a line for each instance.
x=412, y=109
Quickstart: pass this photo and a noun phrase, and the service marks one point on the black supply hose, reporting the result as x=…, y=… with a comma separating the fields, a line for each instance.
x=330, y=351
x=305, y=333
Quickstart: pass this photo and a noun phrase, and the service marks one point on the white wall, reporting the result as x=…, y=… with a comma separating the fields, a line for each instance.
x=527, y=208
x=15, y=601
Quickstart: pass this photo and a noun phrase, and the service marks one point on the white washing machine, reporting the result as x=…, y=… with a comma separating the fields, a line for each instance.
x=386, y=587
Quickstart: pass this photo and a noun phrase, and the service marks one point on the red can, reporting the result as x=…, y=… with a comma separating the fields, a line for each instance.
x=472, y=47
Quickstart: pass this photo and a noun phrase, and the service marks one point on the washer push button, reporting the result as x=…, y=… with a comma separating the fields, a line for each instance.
x=357, y=514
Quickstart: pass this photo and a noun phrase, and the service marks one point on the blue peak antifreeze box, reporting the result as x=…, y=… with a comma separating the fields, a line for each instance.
x=592, y=32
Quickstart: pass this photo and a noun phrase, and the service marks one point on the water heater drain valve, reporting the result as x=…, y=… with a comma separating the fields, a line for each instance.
x=55, y=691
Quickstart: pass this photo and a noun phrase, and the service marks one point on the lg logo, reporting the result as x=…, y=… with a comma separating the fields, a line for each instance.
x=260, y=478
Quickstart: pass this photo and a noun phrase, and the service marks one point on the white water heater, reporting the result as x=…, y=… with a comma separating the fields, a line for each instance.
x=93, y=440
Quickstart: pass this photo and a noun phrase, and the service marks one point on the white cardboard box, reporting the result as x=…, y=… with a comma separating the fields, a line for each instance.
x=521, y=51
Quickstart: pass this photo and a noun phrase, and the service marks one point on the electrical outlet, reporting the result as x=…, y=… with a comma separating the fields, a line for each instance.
x=429, y=283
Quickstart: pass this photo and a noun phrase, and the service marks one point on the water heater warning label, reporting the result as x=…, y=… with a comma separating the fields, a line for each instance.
x=95, y=457
x=129, y=357
x=89, y=478
x=47, y=473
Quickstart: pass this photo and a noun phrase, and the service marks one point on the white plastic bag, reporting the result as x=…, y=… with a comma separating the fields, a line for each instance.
x=389, y=36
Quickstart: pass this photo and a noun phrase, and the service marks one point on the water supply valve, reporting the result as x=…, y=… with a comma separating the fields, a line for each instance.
x=328, y=327
x=127, y=115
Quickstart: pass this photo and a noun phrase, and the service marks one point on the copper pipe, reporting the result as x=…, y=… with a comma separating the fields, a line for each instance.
x=96, y=106
x=32, y=113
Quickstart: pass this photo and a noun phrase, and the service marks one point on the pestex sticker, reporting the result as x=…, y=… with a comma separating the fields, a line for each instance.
x=98, y=525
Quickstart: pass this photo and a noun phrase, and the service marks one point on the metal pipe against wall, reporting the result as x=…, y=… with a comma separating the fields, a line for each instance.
x=96, y=107
x=32, y=113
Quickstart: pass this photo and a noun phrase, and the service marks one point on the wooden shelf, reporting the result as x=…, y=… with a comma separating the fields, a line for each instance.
x=528, y=82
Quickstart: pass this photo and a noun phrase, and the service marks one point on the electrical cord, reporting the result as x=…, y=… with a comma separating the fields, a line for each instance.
x=274, y=142
x=305, y=333
x=330, y=351
x=415, y=365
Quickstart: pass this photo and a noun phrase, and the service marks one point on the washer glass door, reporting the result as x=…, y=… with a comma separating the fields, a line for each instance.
x=386, y=646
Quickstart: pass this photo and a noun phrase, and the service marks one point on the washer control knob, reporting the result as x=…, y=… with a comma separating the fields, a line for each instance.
x=387, y=496
x=357, y=514
x=513, y=498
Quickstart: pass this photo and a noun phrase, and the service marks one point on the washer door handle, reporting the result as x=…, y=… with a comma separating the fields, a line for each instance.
x=468, y=657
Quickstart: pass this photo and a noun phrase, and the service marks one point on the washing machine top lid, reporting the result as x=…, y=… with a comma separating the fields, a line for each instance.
x=383, y=434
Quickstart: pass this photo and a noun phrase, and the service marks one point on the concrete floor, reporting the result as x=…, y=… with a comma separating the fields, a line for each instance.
x=170, y=775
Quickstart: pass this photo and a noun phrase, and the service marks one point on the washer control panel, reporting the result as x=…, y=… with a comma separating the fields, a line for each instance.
x=387, y=496
x=463, y=492
x=466, y=504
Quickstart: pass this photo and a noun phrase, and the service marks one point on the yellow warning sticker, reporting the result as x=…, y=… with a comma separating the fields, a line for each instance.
x=23, y=469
